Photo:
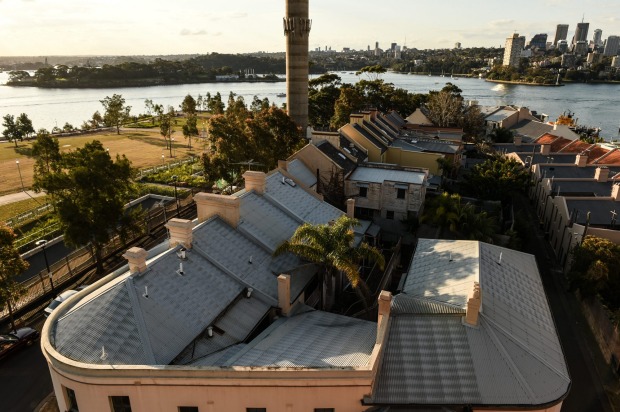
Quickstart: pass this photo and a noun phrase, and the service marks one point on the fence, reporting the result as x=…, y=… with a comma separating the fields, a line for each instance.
x=605, y=330
x=29, y=215
x=164, y=166
x=75, y=266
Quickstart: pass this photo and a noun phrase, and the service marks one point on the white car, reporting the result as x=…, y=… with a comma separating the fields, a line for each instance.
x=58, y=300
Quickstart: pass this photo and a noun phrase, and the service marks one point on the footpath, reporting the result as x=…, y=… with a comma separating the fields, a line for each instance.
x=16, y=197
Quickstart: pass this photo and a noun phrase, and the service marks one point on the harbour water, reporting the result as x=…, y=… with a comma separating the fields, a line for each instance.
x=596, y=105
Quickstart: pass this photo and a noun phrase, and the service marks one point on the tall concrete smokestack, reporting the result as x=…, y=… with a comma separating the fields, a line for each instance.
x=297, y=30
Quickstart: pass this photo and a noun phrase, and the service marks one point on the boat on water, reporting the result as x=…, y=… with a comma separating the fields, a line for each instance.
x=568, y=119
x=281, y=95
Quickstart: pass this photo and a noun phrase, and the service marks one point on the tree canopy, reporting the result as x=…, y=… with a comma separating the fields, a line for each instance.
x=497, y=179
x=16, y=128
x=331, y=247
x=115, y=111
x=11, y=265
x=88, y=190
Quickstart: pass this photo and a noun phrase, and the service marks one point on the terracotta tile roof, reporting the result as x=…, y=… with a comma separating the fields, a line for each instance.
x=546, y=139
x=612, y=158
x=596, y=153
x=578, y=147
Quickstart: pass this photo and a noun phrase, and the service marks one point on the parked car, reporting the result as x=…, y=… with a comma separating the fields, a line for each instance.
x=16, y=340
x=58, y=300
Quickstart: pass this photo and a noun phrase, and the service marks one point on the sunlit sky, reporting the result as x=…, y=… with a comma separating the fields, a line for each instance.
x=141, y=27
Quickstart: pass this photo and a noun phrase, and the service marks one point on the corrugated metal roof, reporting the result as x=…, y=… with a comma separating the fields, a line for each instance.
x=380, y=175
x=500, y=115
x=311, y=340
x=300, y=172
x=513, y=357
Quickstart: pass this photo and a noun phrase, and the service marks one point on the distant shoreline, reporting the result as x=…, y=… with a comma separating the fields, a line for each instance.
x=114, y=84
x=524, y=83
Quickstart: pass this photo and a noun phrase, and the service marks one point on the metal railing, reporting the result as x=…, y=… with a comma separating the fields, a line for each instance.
x=29, y=215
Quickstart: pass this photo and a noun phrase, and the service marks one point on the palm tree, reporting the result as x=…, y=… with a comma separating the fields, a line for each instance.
x=442, y=211
x=331, y=247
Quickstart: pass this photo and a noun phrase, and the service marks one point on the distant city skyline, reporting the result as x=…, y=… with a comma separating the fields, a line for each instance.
x=140, y=27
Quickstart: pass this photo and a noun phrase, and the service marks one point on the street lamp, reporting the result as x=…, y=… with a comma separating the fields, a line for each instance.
x=163, y=159
x=176, y=200
x=41, y=243
x=20, y=175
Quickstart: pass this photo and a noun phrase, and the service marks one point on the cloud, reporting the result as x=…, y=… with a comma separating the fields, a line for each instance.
x=238, y=15
x=188, y=32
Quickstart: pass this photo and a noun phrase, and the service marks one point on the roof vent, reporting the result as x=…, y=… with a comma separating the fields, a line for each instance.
x=103, y=355
x=248, y=292
x=450, y=257
x=146, y=292
x=180, y=271
x=181, y=254
x=342, y=156
x=210, y=331
x=499, y=262
x=290, y=182
x=250, y=260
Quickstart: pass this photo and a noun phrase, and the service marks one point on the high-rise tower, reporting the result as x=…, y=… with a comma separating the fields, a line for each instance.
x=598, y=37
x=560, y=33
x=581, y=33
x=512, y=53
x=297, y=26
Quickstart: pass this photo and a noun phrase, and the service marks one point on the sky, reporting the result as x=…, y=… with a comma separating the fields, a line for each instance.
x=147, y=27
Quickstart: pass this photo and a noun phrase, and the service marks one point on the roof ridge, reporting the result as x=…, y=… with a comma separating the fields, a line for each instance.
x=525, y=347
x=508, y=359
x=139, y=318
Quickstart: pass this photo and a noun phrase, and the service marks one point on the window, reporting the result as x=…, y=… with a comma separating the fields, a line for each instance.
x=120, y=404
x=324, y=410
x=255, y=409
x=400, y=193
x=389, y=214
x=188, y=409
x=363, y=192
x=71, y=400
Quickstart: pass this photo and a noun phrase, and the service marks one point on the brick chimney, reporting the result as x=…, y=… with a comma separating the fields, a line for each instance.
x=180, y=232
x=517, y=140
x=545, y=149
x=601, y=174
x=581, y=160
x=615, y=192
x=210, y=204
x=284, y=293
x=256, y=181
x=136, y=257
x=351, y=208
x=473, y=306
x=385, y=306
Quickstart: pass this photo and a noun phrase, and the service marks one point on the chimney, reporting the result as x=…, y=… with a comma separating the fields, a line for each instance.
x=545, y=149
x=284, y=293
x=555, y=126
x=256, y=181
x=581, y=160
x=601, y=174
x=180, y=232
x=210, y=204
x=283, y=164
x=385, y=305
x=473, y=306
x=351, y=208
x=136, y=257
x=615, y=192
x=518, y=140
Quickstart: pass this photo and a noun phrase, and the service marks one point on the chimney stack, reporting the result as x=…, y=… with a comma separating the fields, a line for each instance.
x=385, y=306
x=256, y=181
x=180, y=232
x=297, y=25
x=601, y=174
x=518, y=140
x=210, y=204
x=284, y=293
x=473, y=306
x=581, y=160
x=351, y=208
x=545, y=149
x=136, y=257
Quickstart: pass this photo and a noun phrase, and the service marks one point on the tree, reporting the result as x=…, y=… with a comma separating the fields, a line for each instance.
x=166, y=128
x=444, y=108
x=497, y=179
x=11, y=131
x=372, y=72
x=24, y=124
x=188, y=106
x=88, y=190
x=11, y=265
x=501, y=135
x=323, y=92
x=190, y=128
x=348, y=102
x=116, y=113
x=46, y=151
x=443, y=212
x=331, y=247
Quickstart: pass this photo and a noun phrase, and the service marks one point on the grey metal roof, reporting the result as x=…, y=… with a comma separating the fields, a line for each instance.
x=531, y=129
x=336, y=156
x=312, y=339
x=513, y=357
x=572, y=171
x=300, y=172
x=500, y=115
x=379, y=143
x=426, y=146
x=600, y=211
x=380, y=175
x=300, y=203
